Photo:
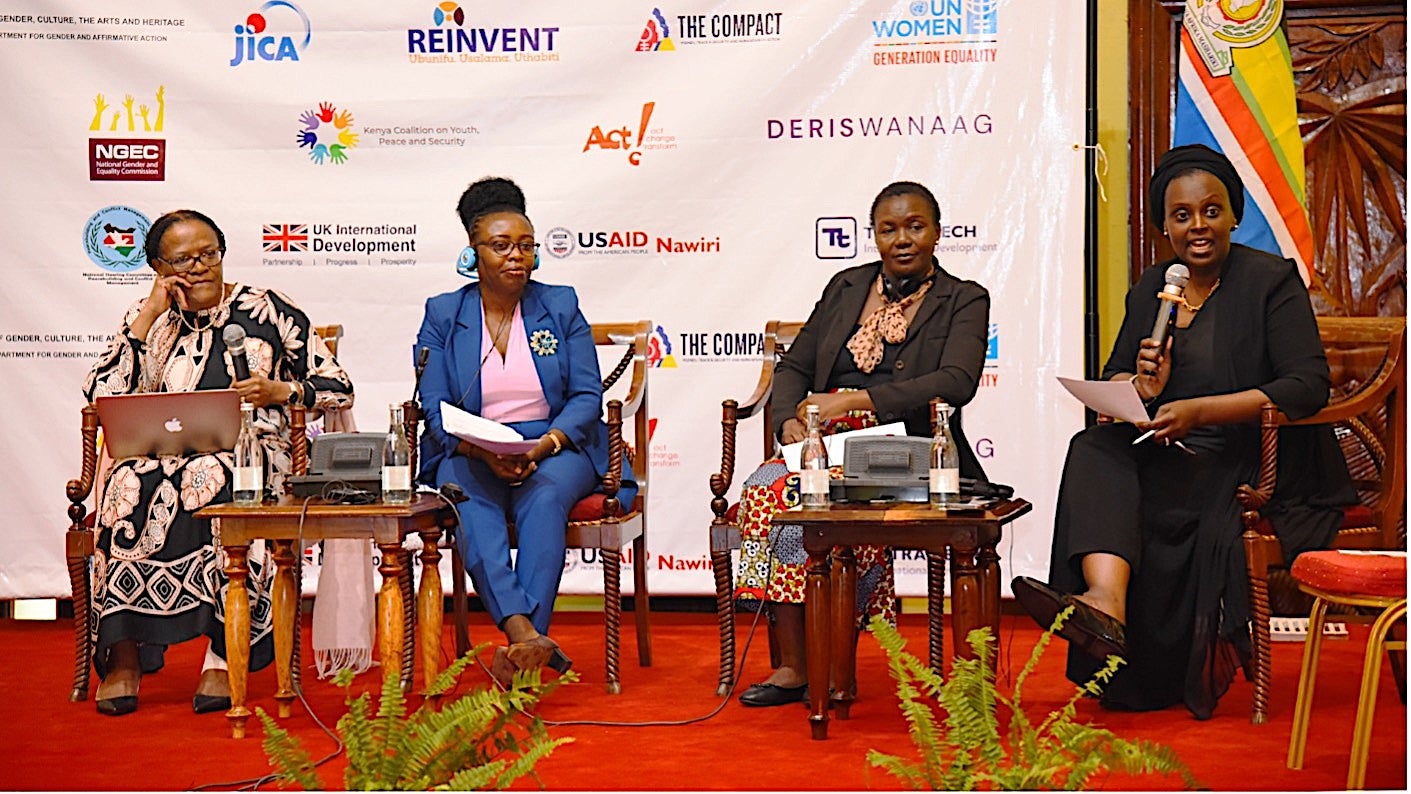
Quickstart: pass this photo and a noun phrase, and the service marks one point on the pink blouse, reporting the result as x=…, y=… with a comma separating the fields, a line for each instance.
x=509, y=388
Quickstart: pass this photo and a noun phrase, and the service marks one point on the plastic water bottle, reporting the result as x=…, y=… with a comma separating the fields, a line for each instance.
x=396, y=462
x=945, y=460
x=248, y=489
x=813, y=474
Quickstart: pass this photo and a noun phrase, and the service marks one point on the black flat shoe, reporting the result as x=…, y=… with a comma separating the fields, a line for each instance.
x=773, y=695
x=205, y=704
x=117, y=707
x=1091, y=630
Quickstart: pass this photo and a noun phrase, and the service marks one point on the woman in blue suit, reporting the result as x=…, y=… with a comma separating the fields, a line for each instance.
x=518, y=351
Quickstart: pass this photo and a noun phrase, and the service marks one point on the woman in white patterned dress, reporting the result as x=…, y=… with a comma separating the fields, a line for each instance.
x=157, y=569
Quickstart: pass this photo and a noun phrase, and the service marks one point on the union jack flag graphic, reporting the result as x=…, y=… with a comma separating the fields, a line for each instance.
x=286, y=237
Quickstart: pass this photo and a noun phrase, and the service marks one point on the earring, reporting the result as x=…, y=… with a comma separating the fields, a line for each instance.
x=466, y=264
x=1236, y=226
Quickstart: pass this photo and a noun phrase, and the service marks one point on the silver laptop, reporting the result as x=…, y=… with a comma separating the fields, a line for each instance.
x=169, y=423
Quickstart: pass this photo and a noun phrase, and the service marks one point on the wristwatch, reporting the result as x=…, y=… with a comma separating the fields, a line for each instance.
x=296, y=393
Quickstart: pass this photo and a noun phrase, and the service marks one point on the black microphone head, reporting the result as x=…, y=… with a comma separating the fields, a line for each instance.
x=234, y=337
x=422, y=356
x=1177, y=275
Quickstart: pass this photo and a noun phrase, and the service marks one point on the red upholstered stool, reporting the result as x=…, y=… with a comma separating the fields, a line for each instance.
x=1375, y=579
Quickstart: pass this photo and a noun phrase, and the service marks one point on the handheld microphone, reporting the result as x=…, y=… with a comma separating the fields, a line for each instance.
x=234, y=337
x=1176, y=277
x=421, y=357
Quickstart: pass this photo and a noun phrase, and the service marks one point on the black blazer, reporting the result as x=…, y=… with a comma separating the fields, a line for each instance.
x=942, y=356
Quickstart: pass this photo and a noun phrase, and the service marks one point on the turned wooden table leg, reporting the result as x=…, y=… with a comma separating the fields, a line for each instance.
x=936, y=610
x=988, y=564
x=389, y=611
x=237, y=635
x=817, y=606
x=965, y=599
x=284, y=598
x=843, y=670
x=429, y=606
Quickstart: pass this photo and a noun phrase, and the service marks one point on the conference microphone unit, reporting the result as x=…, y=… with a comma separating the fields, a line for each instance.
x=422, y=355
x=234, y=337
x=1176, y=277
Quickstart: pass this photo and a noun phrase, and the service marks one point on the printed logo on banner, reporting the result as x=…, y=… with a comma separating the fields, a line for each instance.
x=924, y=125
x=714, y=345
x=740, y=28
x=990, y=377
x=338, y=244
x=562, y=242
x=278, y=31
x=328, y=133
x=943, y=32
x=631, y=140
x=129, y=159
x=286, y=237
x=659, y=350
x=835, y=238
x=662, y=456
x=451, y=42
x=656, y=35
x=113, y=238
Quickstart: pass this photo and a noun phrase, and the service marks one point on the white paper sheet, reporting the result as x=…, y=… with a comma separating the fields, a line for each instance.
x=793, y=453
x=1114, y=398
x=487, y=433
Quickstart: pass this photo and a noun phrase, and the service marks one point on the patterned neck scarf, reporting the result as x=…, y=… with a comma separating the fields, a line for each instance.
x=888, y=322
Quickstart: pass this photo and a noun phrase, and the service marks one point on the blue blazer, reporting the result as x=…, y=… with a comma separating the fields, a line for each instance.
x=451, y=331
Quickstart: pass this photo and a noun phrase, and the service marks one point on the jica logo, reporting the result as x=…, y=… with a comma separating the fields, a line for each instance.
x=252, y=43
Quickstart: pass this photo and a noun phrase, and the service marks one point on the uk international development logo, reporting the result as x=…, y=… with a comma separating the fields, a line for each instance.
x=286, y=237
x=328, y=133
x=938, y=32
x=656, y=35
x=114, y=237
x=133, y=158
x=278, y=31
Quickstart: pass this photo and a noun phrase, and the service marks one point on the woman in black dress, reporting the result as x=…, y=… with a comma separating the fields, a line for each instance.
x=1148, y=534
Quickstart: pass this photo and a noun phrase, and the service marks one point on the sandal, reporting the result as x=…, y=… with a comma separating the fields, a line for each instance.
x=1089, y=629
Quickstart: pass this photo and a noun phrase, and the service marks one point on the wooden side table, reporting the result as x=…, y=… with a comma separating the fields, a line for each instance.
x=969, y=536
x=386, y=525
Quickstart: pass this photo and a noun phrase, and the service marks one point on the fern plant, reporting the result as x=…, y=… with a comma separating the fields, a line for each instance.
x=964, y=751
x=485, y=739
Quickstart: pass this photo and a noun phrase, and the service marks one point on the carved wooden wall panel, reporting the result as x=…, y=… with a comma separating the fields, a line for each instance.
x=1350, y=70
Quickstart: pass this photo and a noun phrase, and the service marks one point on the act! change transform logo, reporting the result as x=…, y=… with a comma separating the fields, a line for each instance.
x=136, y=157
x=938, y=32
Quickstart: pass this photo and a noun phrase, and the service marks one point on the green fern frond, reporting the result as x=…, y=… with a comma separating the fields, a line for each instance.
x=287, y=756
x=965, y=749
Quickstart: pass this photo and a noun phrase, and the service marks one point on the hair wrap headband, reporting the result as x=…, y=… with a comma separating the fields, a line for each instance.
x=1183, y=159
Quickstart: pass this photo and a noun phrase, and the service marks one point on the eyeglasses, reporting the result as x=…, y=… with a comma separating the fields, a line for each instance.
x=185, y=263
x=502, y=247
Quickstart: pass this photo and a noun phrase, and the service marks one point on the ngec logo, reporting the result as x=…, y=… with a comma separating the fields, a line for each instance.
x=253, y=44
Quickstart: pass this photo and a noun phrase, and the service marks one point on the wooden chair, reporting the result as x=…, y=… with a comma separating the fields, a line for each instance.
x=724, y=526
x=81, y=538
x=598, y=521
x=1366, y=356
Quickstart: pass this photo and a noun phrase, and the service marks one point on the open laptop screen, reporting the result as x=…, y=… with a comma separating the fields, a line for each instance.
x=169, y=423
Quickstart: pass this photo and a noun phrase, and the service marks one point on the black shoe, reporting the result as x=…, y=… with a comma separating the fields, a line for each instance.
x=117, y=707
x=772, y=695
x=1091, y=630
x=205, y=704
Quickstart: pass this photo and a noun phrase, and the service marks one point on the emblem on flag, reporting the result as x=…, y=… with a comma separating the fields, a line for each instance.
x=286, y=237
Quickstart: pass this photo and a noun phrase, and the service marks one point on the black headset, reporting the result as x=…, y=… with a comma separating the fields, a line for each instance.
x=896, y=289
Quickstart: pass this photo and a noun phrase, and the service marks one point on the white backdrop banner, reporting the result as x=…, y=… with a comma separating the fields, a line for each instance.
x=706, y=165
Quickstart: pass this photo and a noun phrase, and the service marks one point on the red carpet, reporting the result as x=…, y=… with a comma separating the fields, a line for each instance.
x=57, y=745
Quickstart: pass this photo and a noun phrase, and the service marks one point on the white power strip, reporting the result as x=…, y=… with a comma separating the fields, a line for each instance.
x=1296, y=630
